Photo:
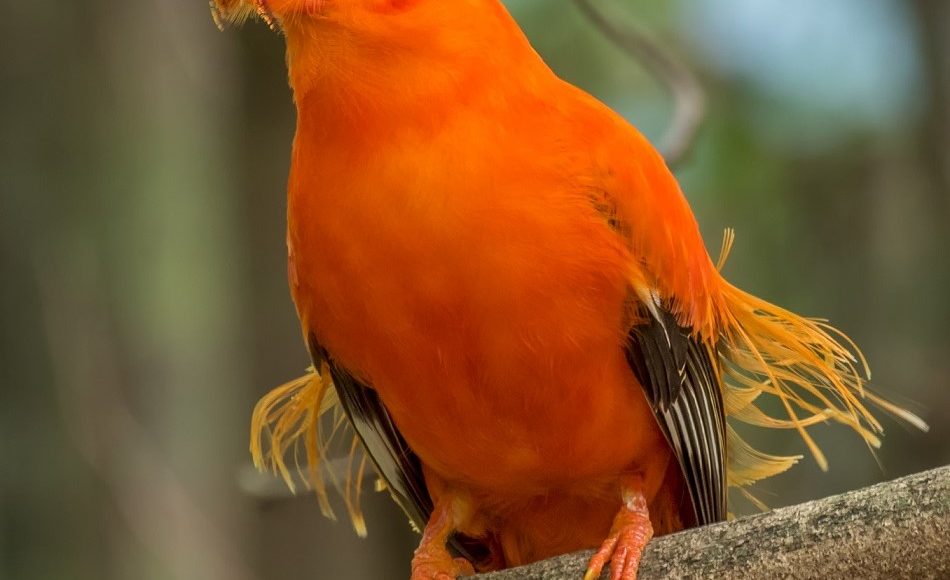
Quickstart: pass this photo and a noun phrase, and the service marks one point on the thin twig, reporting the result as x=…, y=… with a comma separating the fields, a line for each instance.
x=686, y=90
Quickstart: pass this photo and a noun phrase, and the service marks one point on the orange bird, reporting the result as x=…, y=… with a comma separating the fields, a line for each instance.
x=504, y=289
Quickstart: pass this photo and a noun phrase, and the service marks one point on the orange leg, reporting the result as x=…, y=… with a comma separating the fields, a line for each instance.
x=628, y=536
x=432, y=560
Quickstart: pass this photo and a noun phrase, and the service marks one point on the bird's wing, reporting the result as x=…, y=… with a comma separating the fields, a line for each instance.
x=395, y=462
x=679, y=376
x=676, y=286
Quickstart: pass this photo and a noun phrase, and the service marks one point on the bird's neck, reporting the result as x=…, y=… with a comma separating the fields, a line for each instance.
x=345, y=78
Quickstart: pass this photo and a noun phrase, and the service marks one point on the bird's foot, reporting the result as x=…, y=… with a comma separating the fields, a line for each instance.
x=432, y=560
x=440, y=567
x=628, y=537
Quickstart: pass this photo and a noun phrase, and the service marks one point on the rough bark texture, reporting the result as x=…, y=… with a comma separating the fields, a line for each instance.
x=899, y=529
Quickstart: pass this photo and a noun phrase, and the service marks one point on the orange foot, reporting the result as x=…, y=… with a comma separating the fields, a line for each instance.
x=628, y=537
x=432, y=560
x=441, y=569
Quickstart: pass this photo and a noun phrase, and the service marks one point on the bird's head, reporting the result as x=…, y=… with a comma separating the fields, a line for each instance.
x=355, y=13
x=386, y=43
x=277, y=12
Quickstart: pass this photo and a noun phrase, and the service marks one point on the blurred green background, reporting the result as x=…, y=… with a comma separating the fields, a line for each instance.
x=144, y=300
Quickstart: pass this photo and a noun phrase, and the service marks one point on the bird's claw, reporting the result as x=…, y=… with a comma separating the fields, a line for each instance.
x=624, y=545
x=432, y=560
x=440, y=568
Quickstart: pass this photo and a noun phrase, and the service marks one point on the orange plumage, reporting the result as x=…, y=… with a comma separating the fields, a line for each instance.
x=490, y=257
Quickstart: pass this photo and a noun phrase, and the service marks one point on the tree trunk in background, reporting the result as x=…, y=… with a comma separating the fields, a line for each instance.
x=933, y=141
x=933, y=18
x=171, y=229
x=115, y=160
x=933, y=158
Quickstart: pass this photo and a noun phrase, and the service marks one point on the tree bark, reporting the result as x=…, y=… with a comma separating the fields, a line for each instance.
x=898, y=529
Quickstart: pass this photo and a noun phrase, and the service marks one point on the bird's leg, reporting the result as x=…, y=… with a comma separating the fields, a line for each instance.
x=432, y=560
x=628, y=536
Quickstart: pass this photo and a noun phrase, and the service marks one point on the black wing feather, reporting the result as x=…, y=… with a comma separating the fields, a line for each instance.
x=395, y=462
x=681, y=383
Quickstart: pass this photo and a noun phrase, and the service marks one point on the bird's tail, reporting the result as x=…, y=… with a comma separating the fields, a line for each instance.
x=814, y=371
x=290, y=419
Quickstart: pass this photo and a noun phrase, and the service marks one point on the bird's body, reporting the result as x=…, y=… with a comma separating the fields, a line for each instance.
x=511, y=271
x=483, y=290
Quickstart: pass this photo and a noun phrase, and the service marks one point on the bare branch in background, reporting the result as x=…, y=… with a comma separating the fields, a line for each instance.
x=688, y=95
x=268, y=486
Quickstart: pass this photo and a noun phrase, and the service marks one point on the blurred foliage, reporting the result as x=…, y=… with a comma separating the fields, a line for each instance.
x=144, y=302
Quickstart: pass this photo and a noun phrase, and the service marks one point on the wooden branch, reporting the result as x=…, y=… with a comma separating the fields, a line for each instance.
x=899, y=529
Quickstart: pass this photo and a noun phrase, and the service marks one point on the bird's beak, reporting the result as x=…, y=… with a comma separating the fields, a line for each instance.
x=226, y=12
x=265, y=14
x=217, y=14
